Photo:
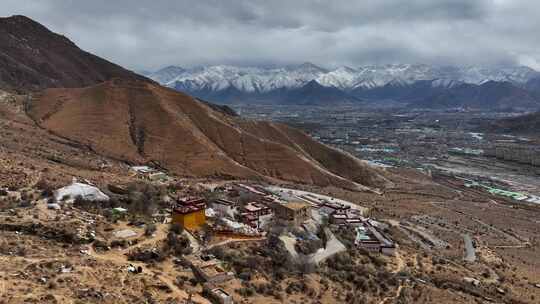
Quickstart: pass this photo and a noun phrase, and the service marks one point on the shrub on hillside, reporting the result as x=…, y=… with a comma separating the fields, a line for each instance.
x=150, y=229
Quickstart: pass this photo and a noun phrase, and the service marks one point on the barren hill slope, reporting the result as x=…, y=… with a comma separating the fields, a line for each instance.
x=491, y=95
x=526, y=124
x=33, y=58
x=140, y=122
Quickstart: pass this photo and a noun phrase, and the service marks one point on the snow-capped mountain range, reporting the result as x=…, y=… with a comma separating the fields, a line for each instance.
x=311, y=84
x=255, y=79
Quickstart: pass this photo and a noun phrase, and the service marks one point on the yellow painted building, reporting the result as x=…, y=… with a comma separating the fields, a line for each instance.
x=189, y=219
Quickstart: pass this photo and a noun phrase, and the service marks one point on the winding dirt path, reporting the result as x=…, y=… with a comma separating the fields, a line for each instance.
x=400, y=263
x=398, y=293
x=399, y=267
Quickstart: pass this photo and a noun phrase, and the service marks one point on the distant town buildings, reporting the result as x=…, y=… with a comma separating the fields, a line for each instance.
x=526, y=154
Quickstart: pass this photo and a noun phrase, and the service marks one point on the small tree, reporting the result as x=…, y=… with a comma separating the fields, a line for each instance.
x=46, y=188
x=179, y=244
x=176, y=228
x=206, y=233
x=150, y=229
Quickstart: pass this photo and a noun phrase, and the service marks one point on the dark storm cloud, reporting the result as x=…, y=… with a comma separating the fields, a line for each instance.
x=151, y=34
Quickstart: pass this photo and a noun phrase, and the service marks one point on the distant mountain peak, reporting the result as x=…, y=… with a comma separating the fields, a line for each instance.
x=172, y=68
x=308, y=64
x=345, y=69
x=397, y=82
x=313, y=84
x=309, y=67
x=228, y=83
x=166, y=74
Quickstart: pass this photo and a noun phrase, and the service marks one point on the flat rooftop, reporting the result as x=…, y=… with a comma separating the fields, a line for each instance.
x=220, y=292
x=253, y=207
x=297, y=205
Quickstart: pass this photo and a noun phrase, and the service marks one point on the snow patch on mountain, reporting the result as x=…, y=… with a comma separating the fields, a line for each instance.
x=342, y=78
x=262, y=80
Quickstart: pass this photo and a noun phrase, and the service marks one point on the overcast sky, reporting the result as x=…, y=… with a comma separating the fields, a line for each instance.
x=147, y=35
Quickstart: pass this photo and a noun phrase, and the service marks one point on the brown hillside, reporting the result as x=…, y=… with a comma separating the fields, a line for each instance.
x=526, y=125
x=141, y=122
x=33, y=58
